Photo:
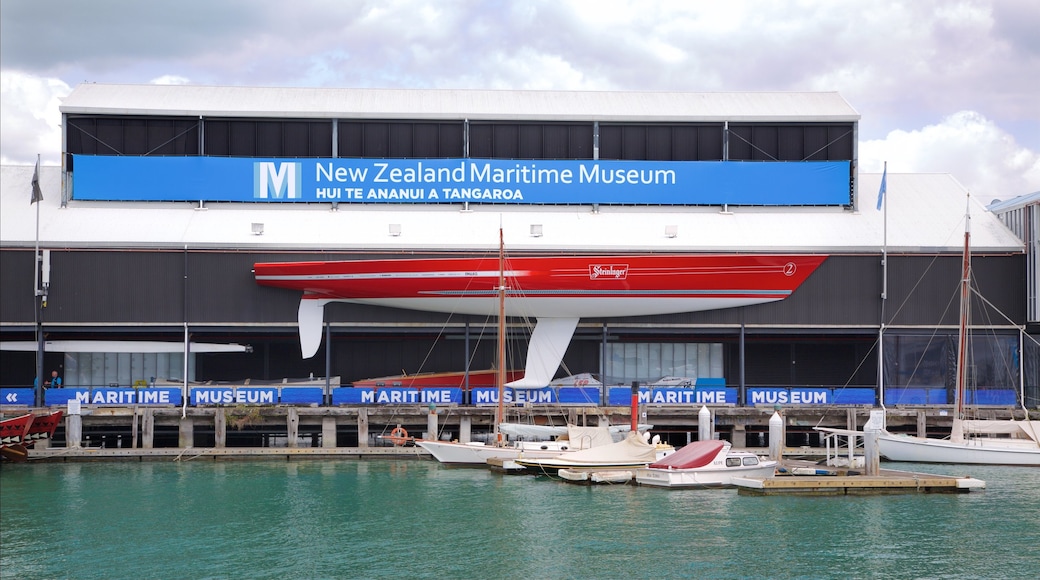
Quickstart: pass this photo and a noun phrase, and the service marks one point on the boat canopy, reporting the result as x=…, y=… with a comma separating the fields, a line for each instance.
x=1016, y=429
x=696, y=454
x=633, y=449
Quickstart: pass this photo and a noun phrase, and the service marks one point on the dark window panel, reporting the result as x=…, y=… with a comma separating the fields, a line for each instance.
x=683, y=143
x=110, y=136
x=135, y=137
x=506, y=142
x=451, y=140
x=400, y=140
x=319, y=138
x=579, y=141
x=554, y=141
x=659, y=143
x=218, y=138
x=530, y=142
x=80, y=135
x=269, y=139
x=765, y=143
x=790, y=146
x=481, y=140
x=159, y=137
x=816, y=143
x=740, y=143
x=243, y=138
x=376, y=140
x=709, y=143
x=840, y=138
x=610, y=141
x=296, y=140
x=179, y=137
x=426, y=140
x=633, y=142
x=351, y=139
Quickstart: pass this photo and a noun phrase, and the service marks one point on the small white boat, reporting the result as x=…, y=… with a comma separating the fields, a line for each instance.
x=477, y=453
x=607, y=476
x=631, y=453
x=709, y=463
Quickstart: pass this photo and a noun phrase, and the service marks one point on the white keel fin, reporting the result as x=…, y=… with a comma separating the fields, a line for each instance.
x=549, y=343
x=311, y=320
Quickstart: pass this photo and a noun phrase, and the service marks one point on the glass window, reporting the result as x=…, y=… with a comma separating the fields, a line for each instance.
x=102, y=369
x=649, y=362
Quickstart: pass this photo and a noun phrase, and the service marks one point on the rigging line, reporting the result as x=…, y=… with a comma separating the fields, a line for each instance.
x=862, y=361
x=1010, y=370
x=441, y=331
x=958, y=231
x=994, y=307
x=935, y=332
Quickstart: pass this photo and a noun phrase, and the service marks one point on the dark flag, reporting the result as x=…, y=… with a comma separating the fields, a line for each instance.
x=37, y=193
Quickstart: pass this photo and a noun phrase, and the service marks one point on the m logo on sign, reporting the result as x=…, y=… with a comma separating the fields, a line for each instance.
x=277, y=180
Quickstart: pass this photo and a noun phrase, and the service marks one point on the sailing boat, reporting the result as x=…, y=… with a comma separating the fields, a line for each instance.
x=478, y=453
x=992, y=442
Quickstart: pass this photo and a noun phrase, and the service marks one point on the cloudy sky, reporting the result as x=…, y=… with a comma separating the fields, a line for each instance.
x=944, y=86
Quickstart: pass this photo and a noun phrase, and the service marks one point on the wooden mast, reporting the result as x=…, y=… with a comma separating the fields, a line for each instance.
x=957, y=434
x=501, y=335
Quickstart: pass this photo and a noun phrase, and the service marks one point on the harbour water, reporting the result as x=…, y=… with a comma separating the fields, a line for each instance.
x=418, y=519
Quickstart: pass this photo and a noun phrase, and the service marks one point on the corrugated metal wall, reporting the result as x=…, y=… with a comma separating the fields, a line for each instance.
x=147, y=288
x=822, y=335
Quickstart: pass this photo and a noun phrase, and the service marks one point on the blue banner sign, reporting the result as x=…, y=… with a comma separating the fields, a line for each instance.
x=301, y=395
x=396, y=396
x=489, y=396
x=234, y=396
x=940, y=396
x=17, y=396
x=579, y=395
x=115, y=396
x=809, y=396
x=433, y=181
x=622, y=396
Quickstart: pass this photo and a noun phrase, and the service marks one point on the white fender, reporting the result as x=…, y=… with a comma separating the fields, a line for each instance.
x=311, y=319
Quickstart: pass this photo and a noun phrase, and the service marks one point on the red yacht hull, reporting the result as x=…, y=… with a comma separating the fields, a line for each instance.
x=551, y=286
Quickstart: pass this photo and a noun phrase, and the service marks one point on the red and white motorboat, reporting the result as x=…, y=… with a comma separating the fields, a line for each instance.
x=558, y=290
x=708, y=463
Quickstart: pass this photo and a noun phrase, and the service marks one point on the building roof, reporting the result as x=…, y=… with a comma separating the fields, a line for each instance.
x=925, y=213
x=999, y=207
x=456, y=104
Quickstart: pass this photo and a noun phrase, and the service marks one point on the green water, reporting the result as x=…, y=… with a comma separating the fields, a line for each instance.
x=417, y=519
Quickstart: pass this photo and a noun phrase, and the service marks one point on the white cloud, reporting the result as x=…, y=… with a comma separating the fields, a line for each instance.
x=900, y=64
x=170, y=80
x=30, y=118
x=979, y=154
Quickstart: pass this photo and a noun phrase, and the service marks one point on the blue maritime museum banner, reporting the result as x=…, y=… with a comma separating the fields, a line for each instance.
x=431, y=181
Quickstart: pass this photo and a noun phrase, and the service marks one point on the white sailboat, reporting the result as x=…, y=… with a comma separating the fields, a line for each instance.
x=552, y=440
x=989, y=442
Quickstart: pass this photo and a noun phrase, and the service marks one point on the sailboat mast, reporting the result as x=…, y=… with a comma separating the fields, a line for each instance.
x=957, y=434
x=501, y=335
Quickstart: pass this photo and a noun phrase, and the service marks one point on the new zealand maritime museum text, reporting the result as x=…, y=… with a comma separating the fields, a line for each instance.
x=486, y=183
